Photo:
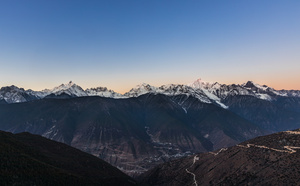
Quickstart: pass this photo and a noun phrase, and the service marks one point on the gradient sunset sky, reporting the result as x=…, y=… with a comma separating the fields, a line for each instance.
x=122, y=43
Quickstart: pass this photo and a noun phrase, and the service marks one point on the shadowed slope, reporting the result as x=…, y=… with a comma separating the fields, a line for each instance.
x=27, y=159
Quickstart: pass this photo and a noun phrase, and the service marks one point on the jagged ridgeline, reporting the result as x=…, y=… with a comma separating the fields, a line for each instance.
x=204, y=91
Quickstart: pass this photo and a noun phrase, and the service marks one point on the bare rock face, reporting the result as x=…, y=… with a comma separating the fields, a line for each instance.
x=266, y=160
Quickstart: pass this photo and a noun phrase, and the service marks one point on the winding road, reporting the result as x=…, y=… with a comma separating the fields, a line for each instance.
x=293, y=132
x=222, y=149
x=194, y=176
x=197, y=158
x=290, y=149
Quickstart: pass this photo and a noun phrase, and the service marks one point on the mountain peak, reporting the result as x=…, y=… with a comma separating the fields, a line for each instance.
x=143, y=85
x=65, y=86
x=70, y=88
x=249, y=84
x=199, y=80
x=140, y=90
x=71, y=83
x=200, y=84
x=103, y=91
x=11, y=88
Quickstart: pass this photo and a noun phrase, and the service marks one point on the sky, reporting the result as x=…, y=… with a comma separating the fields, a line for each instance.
x=121, y=43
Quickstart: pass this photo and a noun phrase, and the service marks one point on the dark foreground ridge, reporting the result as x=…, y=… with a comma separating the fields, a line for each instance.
x=27, y=159
x=266, y=160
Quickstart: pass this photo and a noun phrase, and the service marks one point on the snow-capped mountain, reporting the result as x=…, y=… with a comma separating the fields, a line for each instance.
x=103, y=92
x=289, y=93
x=204, y=91
x=13, y=94
x=140, y=90
x=38, y=94
x=169, y=90
x=71, y=89
x=222, y=91
x=213, y=92
x=175, y=89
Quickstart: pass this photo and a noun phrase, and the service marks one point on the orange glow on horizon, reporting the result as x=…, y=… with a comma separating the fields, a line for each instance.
x=277, y=84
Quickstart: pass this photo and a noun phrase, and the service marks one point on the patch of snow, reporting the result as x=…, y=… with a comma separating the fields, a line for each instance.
x=184, y=110
x=264, y=96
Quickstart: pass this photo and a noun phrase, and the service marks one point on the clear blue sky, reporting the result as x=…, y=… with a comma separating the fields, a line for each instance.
x=122, y=43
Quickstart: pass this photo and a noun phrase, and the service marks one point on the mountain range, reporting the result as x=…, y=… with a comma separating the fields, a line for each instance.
x=249, y=100
x=150, y=125
x=204, y=91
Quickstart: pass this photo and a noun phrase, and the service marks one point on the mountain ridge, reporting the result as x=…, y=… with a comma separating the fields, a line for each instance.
x=28, y=159
x=204, y=91
x=265, y=160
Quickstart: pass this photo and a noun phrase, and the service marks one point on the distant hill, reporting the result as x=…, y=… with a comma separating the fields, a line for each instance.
x=265, y=160
x=27, y=159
